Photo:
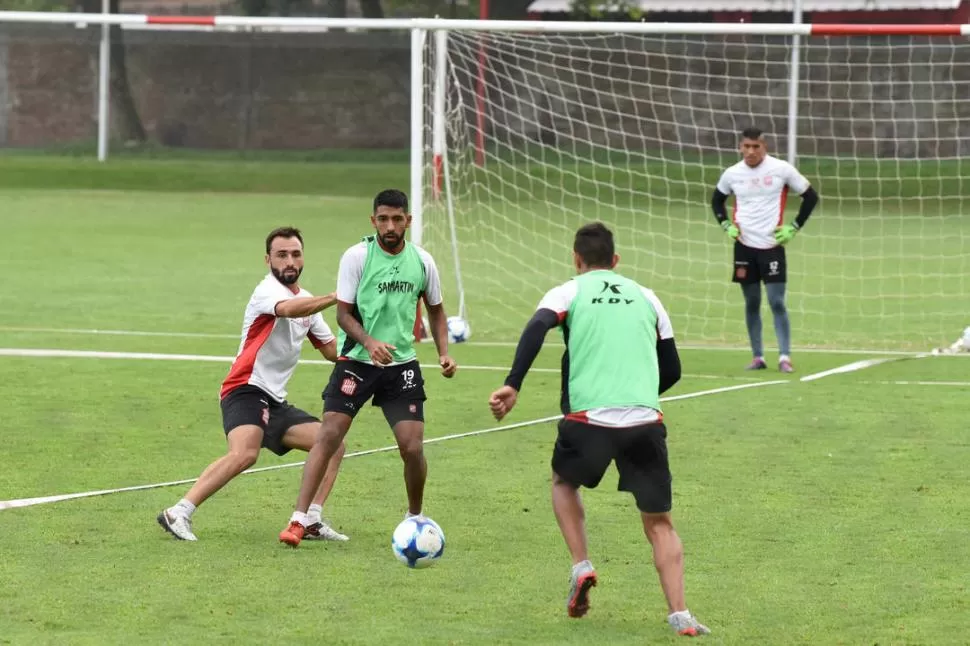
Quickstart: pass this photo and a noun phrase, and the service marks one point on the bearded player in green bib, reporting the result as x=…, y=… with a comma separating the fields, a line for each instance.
x=620, y=356
x=379, y=283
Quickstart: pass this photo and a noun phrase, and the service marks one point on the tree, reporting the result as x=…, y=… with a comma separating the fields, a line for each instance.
x=125, y=113
x=371, y=9
x=614, y=10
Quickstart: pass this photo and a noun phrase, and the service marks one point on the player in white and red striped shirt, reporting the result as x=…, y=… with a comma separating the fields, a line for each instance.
x=760, y=185
x=279, y=316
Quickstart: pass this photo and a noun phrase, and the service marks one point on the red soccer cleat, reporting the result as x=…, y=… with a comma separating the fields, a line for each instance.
x=293, y=534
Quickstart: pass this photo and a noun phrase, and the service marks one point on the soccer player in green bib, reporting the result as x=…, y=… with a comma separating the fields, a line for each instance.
x=379, y=282
x=620, y=356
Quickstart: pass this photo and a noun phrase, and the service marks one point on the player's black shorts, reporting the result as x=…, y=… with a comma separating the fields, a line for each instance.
x=249, y=405
x=753, y=265
x=583, y=453
x=398, y=390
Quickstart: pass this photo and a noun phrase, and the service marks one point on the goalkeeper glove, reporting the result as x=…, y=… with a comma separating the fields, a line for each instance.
x=785, y=233
x=730, y=229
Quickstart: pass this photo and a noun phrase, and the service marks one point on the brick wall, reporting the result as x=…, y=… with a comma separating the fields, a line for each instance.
x=862, y=97
x=218, y=91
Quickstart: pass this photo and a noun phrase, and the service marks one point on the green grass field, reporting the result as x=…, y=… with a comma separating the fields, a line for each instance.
x=829, y=511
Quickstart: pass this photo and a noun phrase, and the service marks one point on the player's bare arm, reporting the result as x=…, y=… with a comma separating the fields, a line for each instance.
x=294, y=308
x=380, y=352
x=438, y=321
x=329, y=350
x=530, y=343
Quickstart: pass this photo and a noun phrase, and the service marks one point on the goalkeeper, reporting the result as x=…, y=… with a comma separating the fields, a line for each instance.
x=760, y=186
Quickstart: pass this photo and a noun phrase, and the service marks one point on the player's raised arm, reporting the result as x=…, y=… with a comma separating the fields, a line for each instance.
x=301, y=306
x=550, y=313
x=530, y=343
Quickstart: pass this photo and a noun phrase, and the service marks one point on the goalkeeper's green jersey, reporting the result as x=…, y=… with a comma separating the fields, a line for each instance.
x=387, y=301
x=610, y=330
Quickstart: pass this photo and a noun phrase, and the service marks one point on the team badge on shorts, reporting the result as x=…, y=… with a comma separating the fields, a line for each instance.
x=741, y=272
x=266, y=416
x=413, y=408
x=348, y=387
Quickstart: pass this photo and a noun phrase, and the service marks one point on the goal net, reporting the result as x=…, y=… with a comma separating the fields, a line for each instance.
x=543, y=132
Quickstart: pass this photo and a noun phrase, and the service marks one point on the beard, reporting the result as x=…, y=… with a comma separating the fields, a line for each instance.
x=287, y=276
x=390, y=240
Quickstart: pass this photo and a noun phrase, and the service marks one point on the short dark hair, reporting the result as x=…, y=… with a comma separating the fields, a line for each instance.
x=752, y=133
x=393, y=198
x=594, y=244
x=283, y=232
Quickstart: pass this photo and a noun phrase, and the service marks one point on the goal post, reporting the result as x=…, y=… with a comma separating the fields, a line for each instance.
x=633, y=127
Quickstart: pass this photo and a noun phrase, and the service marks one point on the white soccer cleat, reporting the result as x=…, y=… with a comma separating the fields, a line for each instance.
x=583, y=579
x=177, y=525
x=321, y=531
x=686, y=625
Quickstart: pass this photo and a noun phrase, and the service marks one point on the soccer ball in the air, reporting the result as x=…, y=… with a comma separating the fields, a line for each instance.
x=458, y=330
x=418, y=542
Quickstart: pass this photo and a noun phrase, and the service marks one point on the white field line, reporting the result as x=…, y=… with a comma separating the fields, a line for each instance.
x=54, y=330
x=28, y=502
x=859, y=365
x=155, y=356
x=158, y=356
x=497, y=344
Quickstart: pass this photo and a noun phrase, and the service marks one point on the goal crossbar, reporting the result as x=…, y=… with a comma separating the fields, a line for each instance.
x=530, y=26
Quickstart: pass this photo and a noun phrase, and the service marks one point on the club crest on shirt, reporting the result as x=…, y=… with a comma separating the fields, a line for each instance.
x=768, y=179
x=305, y=321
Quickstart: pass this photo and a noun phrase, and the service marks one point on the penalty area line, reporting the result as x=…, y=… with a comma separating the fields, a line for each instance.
x=860, y=365
x=43, y=500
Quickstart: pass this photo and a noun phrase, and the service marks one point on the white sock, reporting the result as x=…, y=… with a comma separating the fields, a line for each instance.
x=410, y=515
x=184, y=507
x=784, y=357
x=680, y=613
x=299, y=517
x=315, y=514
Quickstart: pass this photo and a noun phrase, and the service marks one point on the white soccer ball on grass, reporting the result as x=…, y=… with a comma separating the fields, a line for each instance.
x=418, y=542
